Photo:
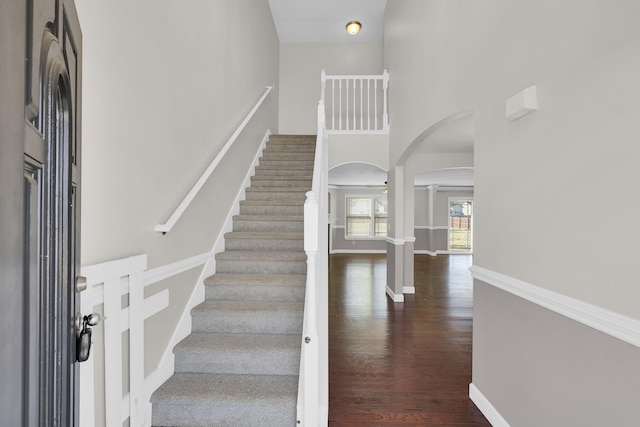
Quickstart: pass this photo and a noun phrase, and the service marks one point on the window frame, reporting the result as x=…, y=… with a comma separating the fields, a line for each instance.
x=372, y=218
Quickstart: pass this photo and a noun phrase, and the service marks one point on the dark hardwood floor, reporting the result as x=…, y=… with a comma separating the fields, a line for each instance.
x=400, y=364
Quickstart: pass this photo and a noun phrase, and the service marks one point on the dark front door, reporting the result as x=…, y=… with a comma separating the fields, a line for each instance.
x=40, y=45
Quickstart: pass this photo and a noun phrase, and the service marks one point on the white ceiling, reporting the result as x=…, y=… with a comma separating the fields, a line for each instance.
x=324, y=21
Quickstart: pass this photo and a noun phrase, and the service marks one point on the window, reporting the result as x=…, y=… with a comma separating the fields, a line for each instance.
x=366, y=216
x=460, y=224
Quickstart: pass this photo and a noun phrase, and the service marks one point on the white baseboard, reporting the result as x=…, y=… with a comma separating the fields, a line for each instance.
x=491, y=414
x=408, y=289
x=454, y=253
x=617, y=325
x=358, y=251
x=425, y=252
x=395, y=297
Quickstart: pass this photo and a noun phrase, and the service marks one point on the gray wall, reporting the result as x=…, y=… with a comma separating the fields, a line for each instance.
x=450, y=56
x=165, y=85
x=528, y=357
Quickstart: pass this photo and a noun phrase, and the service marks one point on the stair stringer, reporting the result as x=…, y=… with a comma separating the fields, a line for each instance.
x=166, y=367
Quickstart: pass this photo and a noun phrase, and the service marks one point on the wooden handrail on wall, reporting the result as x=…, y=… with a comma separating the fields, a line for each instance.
x=182, y=207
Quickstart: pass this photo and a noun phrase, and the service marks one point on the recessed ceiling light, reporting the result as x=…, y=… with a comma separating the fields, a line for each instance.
x=353, y=27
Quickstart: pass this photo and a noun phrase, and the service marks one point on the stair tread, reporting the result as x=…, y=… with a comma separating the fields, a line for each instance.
x=273, y=202
x=282, y=178
x=225, y=344
x=263, y=235
x=256, y=217
x=244, y=306
x=202, y=388
x=237, y=309
x=291, y=167
x=262, y=256
x=256, y=279
x=279, y=189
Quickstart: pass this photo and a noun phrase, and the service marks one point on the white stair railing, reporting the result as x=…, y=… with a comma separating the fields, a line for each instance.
x=356, y=103
x=107, y=284
x=313, y=387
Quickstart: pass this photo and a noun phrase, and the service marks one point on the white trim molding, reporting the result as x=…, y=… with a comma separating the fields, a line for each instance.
x=425, y=252
x=443, y=252
x=394, y=297
x=491, y=414
x=408, y=289
x=358, y=251
x=617, y=325
x=393, y=241
x=431, y=227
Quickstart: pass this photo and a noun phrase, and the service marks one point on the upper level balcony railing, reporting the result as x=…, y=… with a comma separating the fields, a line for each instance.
x=355, y=103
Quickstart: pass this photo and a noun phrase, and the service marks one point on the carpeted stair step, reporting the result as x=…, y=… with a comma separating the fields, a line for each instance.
x=289, y=139
x=287, y=155
x=282, y=181
x=205, y=400
x=248, y=317
x=255, y=287
x=266, y=223
x=252, y=354
x=278, y=171
x=261, y=241
x=271, y=207
x=261, y=262
x=290, y=148
x=289, y=194
x=285, y=163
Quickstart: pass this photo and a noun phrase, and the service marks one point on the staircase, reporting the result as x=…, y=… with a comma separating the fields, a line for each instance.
x=239, y=366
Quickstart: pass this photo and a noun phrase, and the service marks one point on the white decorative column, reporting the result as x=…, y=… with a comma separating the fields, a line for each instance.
x=408, y=214
x=432, y=191
x=395, y=234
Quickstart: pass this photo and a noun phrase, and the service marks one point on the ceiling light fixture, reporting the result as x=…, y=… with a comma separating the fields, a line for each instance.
x=353, y=27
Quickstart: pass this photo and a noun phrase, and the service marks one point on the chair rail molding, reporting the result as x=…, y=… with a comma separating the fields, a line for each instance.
x=617, y=325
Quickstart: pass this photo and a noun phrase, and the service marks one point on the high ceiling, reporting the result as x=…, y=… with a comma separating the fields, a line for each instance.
x=324, y=21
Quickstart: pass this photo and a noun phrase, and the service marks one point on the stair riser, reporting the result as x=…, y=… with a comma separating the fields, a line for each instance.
x=294, y=164
x=284, y=196
x=268, y=226
x=281, y=148
x=287, y=155
x=261, y=182
x=254, y=293
x=241, y=414
x=268, y=171
x=246, y=323
x=283, y=361
x=285, y=210
x=278, y=245
x=263, y=267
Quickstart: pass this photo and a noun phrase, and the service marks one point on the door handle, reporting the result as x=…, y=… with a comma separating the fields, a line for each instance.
x=83, y=341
